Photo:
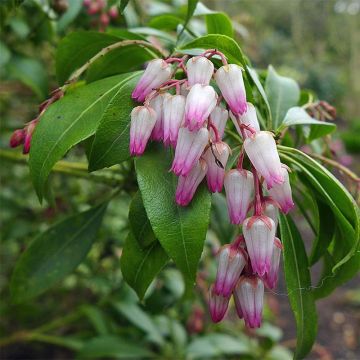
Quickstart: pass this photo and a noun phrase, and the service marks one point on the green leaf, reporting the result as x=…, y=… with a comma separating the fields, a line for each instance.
x=114, y=347
x=5, y=54
x=282, y=93
x=180, y=230
x=191, y=6
x=55, y=253
x=123, y=5
x=298, y=285
x=30, y=72
x=223, y=43
x=140, y=265
x=111, y=142
x=70, y=120
x=219, y=23
x=97, y=318
x=78, y=47
x=70, y=15
x=298, y=116
x=165, y=22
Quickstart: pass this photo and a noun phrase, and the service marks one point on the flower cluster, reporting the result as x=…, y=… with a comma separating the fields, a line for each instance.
x=190, y=116
x=100, y=13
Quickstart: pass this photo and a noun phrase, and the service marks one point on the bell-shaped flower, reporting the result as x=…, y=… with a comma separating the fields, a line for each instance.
x=157, y=104
x=230, y=81
x=271, y=277
x=200, y=102
x=143, y=120
x=157, y=73
x=218, y=305
x=189, y=147
x=199, y=70
x=239, y=186
x=249, y=119
x=249, y=300
x=232, y=260
x=216, y=157
x=271, y=210
x=187, y=185
x=173, y=115
x=218, y=118
x=259, y=233
x=262, y=152
x=281, y=193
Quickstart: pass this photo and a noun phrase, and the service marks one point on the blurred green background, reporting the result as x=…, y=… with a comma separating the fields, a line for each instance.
x=93, y=313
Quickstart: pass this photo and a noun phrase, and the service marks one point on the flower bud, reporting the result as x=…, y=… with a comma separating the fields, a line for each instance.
x=259, y=233
x=143, y=120
x=281, y=193
x=218, y=305
x=216, y=157
x=187, y=185
x=113, y=12
x=189, y=147
x=249, y=300
x=17, y=138
x=232, y=260
x=157, y=72
x=173, y=114
x=271, y=277
x=29, y=130
x=239, y=186
x=200, y=102
x=199, y=70
x=156, y=103
x=104, y=19
x=218, y=118
x=262, y=152
x=249, y=118
x=230, y=81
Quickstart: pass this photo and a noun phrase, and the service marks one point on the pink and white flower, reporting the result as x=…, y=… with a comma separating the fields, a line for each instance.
x=249, y=300
x=157, y=104
x=157, y=73
x=249, y=118
x=189, y=147
x=230, y=81
x=200, y=102
x=259, y=233
x=271, y=210
x=199, y=70
x=187, y=185
x=216, y=157
x=239, y=187
x=262, y=152
x=218, y=305
x=271, y=277
x=218, y=118
x=143, y=120
x=173, y=115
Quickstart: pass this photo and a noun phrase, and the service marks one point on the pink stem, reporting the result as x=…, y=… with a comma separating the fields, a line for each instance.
x=240, y=159
x=213, y=52
x=258, y=203
x=216, y=132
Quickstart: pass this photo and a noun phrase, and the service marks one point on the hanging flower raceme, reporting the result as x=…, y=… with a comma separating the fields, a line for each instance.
x=186, y=113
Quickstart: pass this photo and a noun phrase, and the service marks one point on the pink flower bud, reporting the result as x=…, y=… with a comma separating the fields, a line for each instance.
x=249, y=118
x=259, y=233
x=271, y=277
x=218, y=305
x=157, y=104
x=199, y=70
x=113, y=12
x=216, y=157
x=232, y=260
x=173, y=114
x=218, y=118
x=239, y=186
x=17, y=138
x=200, y=102
x=262, y=152
x=87, y=2
x=104, y=19
x=143, y=120
x=93, y=8
x=281, y=193
x=249, y=295
x=187, y=185
x=29, y=130
x=157, y=72
x=189, y=147
x=230, y=81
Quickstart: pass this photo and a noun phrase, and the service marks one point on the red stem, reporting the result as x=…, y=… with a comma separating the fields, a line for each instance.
x=213, y=52
x=258, y=203
x=216, y=132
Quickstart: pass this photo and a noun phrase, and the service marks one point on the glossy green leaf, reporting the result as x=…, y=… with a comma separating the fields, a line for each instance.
x=70, y=120
x=114, y=347
x=55, y=253
x=123, y=5
x=180, y=230
x=298, y=283
x=165, y=22
x=111, y=142
x=298, y=116
x=191, y=6
x=223, y=43
x=140, y=265
x=219, y=23
x=282, y=93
